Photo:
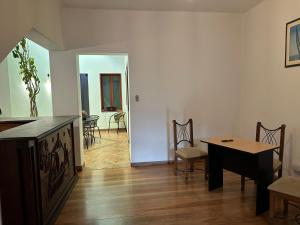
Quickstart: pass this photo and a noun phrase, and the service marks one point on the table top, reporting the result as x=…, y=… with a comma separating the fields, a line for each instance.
x=33, y=128
x=90, y=118
x=240, y=144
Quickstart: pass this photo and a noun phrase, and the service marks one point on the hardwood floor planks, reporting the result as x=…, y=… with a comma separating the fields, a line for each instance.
x=153, y=195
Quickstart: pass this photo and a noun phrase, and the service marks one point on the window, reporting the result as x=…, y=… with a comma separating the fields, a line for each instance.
x=111, y=92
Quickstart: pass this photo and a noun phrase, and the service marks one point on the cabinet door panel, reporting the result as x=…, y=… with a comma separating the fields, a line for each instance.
x=56, y=168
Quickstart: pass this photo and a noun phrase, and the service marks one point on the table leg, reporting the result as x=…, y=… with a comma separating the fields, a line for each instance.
x=272, y=204
x=264, y=178
x=215, y=167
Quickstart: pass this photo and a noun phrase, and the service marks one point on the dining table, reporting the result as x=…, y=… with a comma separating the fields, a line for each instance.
x=244, y=157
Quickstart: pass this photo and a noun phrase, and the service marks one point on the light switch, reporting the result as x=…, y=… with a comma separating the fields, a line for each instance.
x=137, y=98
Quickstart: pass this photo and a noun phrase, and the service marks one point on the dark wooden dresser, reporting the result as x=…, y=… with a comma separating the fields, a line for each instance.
x=37, y=168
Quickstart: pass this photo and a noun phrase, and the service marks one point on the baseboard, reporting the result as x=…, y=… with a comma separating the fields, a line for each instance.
x=154, y=163
x=113, y=129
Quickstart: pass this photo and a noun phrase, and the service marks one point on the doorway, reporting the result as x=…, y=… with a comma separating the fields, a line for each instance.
x=84, y=86
x=104, y=95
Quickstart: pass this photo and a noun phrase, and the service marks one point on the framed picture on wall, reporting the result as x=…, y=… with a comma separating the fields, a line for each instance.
x=292, y=43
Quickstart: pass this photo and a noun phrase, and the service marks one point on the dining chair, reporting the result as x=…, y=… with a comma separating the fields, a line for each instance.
x=117, y=118
x=274, y=137
x=284, y=190
x=90, y=124
x=183, y=135
x=94, y=124
x=86, y=134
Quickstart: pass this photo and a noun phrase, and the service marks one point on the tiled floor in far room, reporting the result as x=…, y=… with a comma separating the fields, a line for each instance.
x=109, y=151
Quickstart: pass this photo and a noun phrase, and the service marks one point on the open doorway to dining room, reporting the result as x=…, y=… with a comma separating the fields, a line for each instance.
x=105, y=110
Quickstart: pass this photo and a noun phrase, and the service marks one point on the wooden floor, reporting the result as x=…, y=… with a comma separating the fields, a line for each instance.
x=109, y=151
x=154, y=196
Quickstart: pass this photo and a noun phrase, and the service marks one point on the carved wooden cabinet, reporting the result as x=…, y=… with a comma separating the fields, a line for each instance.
x=37, y=170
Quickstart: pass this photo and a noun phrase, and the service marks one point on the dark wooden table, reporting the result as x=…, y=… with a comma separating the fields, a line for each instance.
x=248, y=158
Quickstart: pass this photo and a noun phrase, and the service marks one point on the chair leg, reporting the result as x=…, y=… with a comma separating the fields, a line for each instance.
x=175, y=165
x=242, y=183
x=279, y=173
x=285, y=207
x=125, y=125
x=108, y=126
x=186, y=171
x=272, y=204
x=206, y=168
x=91, y=135
x=192, y=166
x=99, y=131
x=118, y=127
x=86, y=142
x=94, y=135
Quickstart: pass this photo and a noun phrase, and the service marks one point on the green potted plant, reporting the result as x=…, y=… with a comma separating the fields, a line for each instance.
x=29, y=75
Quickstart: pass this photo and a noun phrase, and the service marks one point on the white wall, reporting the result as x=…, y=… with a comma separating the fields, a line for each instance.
x=269, y=91
x=20, y=106
x=4, y=89
x=94, y=65
x=181, y=65
x=66, y=93
x=14, y=99
x=19, y=17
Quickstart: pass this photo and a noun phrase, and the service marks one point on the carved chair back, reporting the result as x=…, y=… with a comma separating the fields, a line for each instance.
x=272, y=136
x=183, y=133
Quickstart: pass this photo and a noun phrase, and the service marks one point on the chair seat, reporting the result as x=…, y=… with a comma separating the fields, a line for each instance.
x=286, y=185
x=276, y=165
x=189, y=153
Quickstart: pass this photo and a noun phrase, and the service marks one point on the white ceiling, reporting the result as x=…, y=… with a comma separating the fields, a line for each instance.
x=166, y=5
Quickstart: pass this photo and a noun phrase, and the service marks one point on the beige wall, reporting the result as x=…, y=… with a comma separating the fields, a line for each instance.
x=226, y=71
x=270, y=92
x=220, y=69
x=19, y=17
x=181, y=64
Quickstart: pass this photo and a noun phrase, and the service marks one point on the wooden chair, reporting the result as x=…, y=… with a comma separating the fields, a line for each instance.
x=273, y=137
x=183, y=133
x=284, y=191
